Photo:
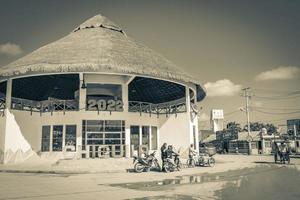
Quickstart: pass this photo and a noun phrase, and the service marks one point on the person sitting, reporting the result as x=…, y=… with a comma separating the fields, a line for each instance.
x=170, y=154
x=163, y=154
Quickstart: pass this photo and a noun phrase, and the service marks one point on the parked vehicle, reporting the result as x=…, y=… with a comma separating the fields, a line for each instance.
x=192, y=162
x=172, y=166
x=206, y=160
x=203, y=159
x=281, y=152
x=284, y=157
x=146, y=164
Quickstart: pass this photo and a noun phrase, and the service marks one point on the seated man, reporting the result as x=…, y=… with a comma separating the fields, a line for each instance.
x=170, y=154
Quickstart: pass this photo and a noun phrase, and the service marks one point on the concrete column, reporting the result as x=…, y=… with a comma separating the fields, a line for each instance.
x=51, y=138
x=127, y=142
x=82, y=94
x=187, y=99
x=197, y=133
x=79, y=138
x=140, y=135
x=263, y=146
x=8, y=94
x=125, y=97
x=150, y=137
x=158, y=139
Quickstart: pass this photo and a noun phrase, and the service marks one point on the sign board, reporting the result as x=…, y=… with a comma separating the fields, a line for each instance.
x=217, y=114
x=105, y=105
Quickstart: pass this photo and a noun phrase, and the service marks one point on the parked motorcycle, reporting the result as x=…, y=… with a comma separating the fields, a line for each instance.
x=284, y=157
x=146, y=164
x=206, y=160
x=203, y=159
x=192, y=162
x=169, y=166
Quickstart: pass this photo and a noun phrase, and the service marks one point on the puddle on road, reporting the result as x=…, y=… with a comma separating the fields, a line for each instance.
x=263, y=182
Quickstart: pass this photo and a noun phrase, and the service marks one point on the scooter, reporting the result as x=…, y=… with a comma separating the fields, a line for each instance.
x=146, y=164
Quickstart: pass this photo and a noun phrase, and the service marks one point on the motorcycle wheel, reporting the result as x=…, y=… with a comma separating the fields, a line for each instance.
x=211, y=162
x=179, y=165
x=190, y=163
x=167, y=167
x=157, y=166
x=139, y=168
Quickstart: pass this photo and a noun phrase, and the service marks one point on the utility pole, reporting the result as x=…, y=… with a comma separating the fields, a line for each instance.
x=247, y=96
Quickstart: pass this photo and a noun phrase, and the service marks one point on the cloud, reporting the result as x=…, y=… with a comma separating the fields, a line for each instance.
x=280, y=73
x=10, y=49
x=222, y=87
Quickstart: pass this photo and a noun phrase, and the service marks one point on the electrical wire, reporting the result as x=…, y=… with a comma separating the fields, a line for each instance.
x=276, y=113
x=269, y=108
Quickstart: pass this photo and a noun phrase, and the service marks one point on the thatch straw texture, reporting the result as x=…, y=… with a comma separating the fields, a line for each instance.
x=97, y=45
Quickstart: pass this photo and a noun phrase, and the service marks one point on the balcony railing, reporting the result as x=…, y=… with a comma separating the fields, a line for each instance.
x=52, y=105
x=49, y=105
x=2, y=106
x=172, y=107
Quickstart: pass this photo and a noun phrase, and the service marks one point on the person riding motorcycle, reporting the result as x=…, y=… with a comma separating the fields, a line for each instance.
x=170, y=154
x=163, y=154
x=284, y=151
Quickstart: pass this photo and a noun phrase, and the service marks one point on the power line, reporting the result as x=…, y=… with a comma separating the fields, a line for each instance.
x=277, y=91
x=269, y=108
x=276, y=113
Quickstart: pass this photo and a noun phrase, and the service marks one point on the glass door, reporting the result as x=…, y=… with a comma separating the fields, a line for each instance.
x=104, y=136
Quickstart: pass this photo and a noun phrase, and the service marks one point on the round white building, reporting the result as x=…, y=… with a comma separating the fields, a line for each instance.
x=95, y=93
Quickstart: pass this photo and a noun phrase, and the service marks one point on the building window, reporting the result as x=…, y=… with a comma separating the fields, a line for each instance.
x=70, y=139
x=267, y=144
x=254, y=145
x=154, y=138
x=45, y=139
x=145, y=135
x=135, y=136
x=57, y=138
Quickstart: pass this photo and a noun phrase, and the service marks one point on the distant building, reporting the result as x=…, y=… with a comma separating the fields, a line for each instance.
x=261, y=142
x=217, y=119
x=292, y=124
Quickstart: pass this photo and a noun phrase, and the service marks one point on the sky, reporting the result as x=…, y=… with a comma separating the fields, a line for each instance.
x=227, y=45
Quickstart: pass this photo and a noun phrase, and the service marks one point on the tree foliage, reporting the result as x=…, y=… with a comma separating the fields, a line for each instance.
x=254, y=126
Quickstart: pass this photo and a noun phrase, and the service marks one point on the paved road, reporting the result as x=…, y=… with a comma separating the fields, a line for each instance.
x=232, y=177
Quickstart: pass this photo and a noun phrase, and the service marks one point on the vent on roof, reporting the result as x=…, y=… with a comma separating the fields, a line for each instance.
x=99, y=21
x=110, y=27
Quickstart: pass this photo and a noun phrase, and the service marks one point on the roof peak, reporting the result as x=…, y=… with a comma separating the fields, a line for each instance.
x=99, y=21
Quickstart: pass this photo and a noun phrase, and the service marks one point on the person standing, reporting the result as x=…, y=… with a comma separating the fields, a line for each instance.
x=163, y=154
x=192, y=152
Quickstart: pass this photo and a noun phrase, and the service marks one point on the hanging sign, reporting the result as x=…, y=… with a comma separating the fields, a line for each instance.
x=105, y=105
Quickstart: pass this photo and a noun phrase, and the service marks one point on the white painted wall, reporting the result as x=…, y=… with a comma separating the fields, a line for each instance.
x=2, y=136
x=175, y=131
x=27, y=126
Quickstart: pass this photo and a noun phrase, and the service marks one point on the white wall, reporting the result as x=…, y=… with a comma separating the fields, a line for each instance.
x=2, y=136
x=175, y=131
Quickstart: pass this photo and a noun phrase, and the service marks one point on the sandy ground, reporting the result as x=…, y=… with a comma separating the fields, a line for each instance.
x=98, y=184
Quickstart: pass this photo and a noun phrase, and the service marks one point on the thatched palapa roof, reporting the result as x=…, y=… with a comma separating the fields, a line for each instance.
x=97, y=45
